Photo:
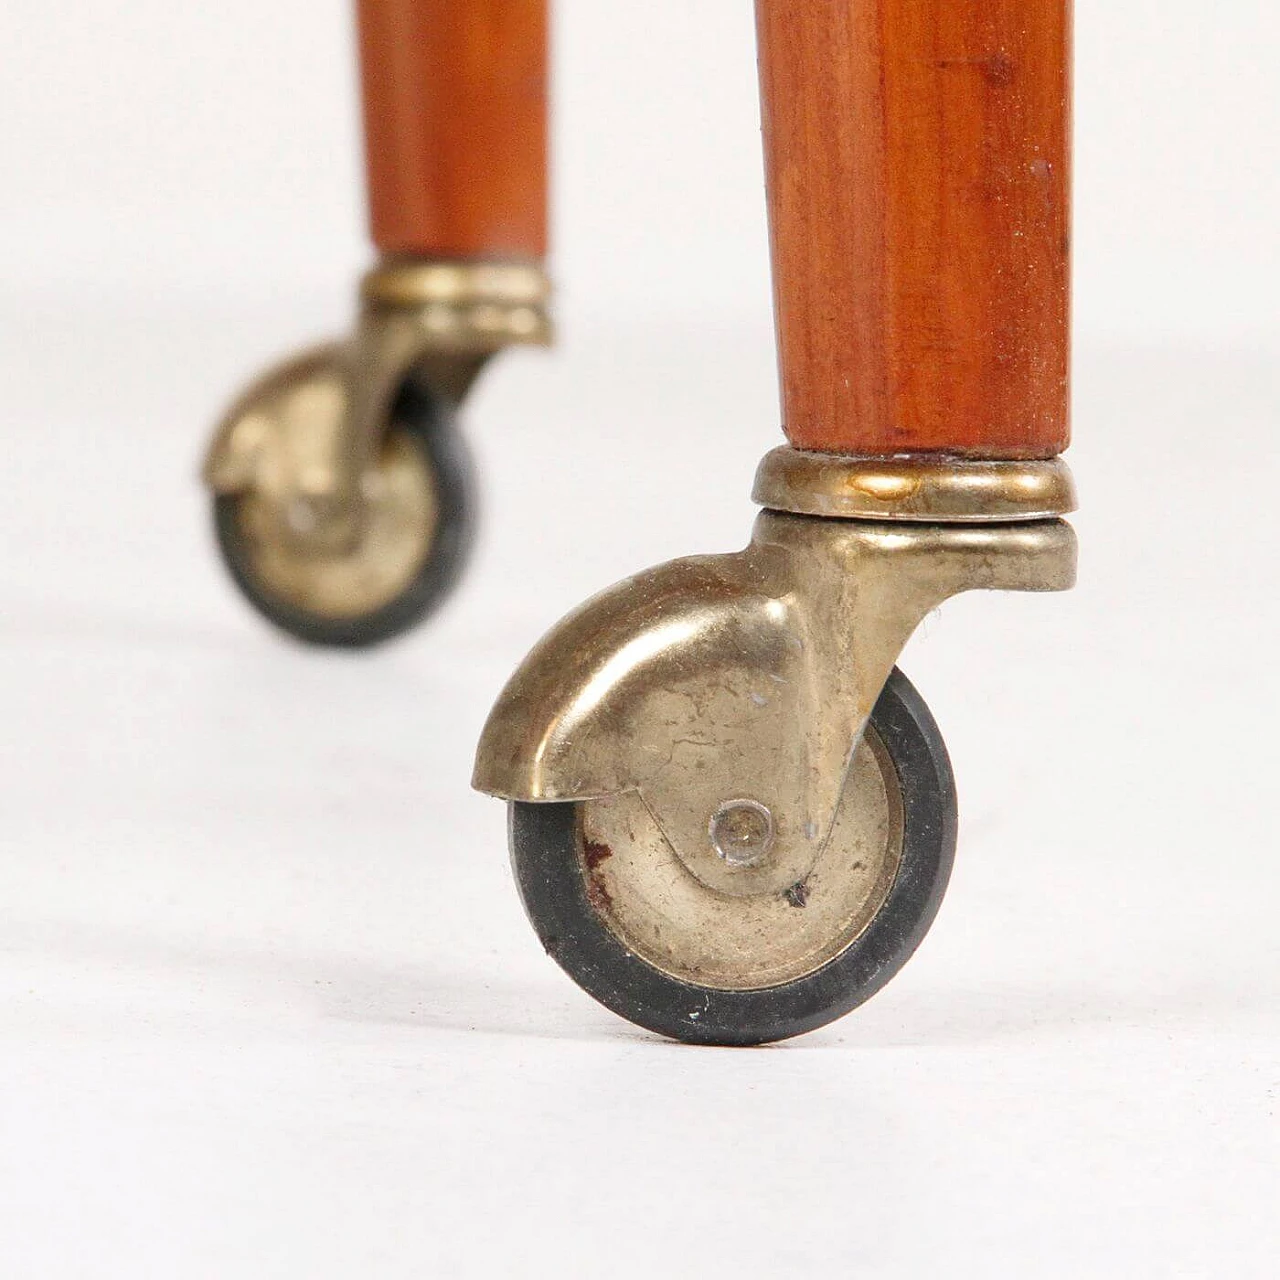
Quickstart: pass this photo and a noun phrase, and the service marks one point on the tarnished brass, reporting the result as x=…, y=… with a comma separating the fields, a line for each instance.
x=517, y=292
x=446, y=318
x=396, y=538
x=744, y=677
x=670, y=918
x=946, y=490
x=298, y=405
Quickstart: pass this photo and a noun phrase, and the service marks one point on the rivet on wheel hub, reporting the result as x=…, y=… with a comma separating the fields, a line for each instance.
x=742, y=832
x=302, y=516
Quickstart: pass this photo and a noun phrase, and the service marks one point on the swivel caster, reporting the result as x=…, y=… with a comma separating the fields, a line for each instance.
x=613, y=904
x=341, y=486
x=732, y=819
x=415, y=527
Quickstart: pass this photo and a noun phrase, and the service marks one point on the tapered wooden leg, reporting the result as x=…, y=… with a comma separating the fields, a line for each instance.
x=918, y=167
x=455, y=111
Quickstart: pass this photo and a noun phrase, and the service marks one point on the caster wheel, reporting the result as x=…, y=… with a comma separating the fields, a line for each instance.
x=416, y=535
x=620, y=913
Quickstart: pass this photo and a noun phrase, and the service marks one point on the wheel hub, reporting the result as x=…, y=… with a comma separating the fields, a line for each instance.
x=356, y=576
x=742, y=832
x=665, y=914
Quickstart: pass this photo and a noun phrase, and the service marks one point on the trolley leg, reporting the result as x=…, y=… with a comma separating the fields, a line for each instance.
x=732, y=818
x=340, y=482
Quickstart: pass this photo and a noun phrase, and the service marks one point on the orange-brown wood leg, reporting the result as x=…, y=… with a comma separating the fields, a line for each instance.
x=918, y=165
x=455, y=110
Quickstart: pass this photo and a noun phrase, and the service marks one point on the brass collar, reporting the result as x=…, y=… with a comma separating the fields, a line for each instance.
x=932, y=490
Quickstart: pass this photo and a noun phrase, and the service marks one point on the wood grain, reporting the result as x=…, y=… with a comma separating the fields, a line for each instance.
x=918, y=164
x=455, y=111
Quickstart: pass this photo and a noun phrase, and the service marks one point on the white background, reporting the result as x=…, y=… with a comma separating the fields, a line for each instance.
x=268, y=1006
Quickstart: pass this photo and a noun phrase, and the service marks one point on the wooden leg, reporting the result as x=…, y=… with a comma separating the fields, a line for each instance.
x=919, y=174
x=456, y=126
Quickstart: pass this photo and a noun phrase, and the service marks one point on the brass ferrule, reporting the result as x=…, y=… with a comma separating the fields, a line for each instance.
x=465, y=304
x=922, y=490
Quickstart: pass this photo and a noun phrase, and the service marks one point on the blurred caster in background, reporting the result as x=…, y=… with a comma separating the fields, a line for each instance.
x=342, y=492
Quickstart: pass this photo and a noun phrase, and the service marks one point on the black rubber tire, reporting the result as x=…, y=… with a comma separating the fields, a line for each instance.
x=429, y=423
x=548, y=869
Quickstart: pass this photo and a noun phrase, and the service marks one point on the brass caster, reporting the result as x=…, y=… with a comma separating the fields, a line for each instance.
x=732, y=819
x=410, y=545
x=341, y=488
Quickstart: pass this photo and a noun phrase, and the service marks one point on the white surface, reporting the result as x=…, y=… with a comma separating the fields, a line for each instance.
x=268, y=1005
